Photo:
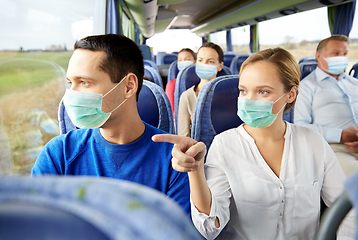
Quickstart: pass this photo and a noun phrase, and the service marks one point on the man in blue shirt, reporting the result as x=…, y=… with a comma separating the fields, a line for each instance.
x=328, y=101
x=106, y=74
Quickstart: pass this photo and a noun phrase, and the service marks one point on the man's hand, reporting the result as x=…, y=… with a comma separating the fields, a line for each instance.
x=187, y=153
x=350, y=134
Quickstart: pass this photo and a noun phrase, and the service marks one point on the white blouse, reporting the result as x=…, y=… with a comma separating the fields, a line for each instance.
x=251, y=202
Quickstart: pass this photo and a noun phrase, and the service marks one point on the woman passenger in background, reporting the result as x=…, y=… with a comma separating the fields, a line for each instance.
x=210, y=60
x=186, y=57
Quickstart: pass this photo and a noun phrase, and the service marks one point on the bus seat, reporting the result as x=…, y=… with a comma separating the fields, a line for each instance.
x=354, y=71
x=228, y=57
x=307, y=59
x=146, y=52
x=237, y=62
x=333, y=216
x=153, y=75
x=187, y=78
x=216, y=109
x=306, y=68
x=151, y=64
x=153, y=107
x=173, y=71
x=64, y=120
x=169, y=58
x=86, y=208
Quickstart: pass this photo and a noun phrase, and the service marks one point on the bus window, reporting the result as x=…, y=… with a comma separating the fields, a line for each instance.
x=219, y=38
x=37, y=42
x=241, y=39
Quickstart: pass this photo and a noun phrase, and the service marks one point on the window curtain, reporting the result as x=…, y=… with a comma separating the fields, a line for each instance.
x=340, y=18
x=114, y=17
x=254, y=38
x=228, y=40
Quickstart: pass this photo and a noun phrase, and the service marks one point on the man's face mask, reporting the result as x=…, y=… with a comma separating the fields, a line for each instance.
x=85, y=109
x=336, y=65
x=205, y=71
x=257, y=113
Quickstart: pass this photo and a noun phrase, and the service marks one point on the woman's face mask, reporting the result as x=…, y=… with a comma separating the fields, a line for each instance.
x=257, y=113
x=85, y=109
x=205, y=71
x=183, y=64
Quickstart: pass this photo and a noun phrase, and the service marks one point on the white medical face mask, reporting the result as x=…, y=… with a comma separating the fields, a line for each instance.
x=85, y=109
x=336, y=65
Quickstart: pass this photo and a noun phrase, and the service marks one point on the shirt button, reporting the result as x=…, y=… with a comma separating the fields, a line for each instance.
x=280, y=187
x=282, y=201
x=281, y=214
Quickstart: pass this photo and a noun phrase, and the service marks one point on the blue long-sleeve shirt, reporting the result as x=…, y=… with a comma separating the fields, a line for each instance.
x=86, y=152
x=326, y=104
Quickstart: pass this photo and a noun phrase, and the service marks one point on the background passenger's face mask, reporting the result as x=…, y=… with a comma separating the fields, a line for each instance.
x=85, y=109
x=257, y=113
x=205, y=71
x=183, y=64
x=336, y=65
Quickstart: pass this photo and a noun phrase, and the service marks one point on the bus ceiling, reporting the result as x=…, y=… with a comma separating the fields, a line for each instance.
x=207, y=16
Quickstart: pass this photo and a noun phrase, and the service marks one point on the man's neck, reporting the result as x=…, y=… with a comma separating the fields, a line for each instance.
x=123, y=131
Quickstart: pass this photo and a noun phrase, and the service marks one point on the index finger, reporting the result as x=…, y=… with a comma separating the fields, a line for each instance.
x=175, y=139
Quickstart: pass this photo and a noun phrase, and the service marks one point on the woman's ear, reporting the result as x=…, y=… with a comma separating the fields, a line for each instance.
x=292, y=94
x=220, y=66
x=131, y=87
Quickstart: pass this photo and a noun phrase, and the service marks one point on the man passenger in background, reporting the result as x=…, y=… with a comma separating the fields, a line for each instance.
x=106, y=74
x=328, y=101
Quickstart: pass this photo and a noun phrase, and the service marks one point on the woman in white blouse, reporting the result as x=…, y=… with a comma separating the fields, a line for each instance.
x=264, y=179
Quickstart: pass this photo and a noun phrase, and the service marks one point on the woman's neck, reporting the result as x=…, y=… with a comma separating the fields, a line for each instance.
x=272, y=133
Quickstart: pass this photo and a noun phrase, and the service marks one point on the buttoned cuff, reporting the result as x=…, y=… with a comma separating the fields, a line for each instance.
x=333, y=135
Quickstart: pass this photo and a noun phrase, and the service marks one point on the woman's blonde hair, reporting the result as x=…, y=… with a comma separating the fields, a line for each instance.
x=287, y=67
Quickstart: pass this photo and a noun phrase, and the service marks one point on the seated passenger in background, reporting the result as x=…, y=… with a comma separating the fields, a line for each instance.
x=186, y=57
x=328, y=101
x=106, y=75
x=265, y=178
x=210, y=61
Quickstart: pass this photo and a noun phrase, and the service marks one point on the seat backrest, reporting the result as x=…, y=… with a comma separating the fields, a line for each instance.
x=151, y=64
x=216, y=109
x=153, y=107
x=169, y=58
x=228, y=57
x=306, y=68
x=307, y=59
x=88, y=207
x=64, y=120
x=237, y=62
x=332, y=217
x=354, y=70
x=153, y=75
x=146, y=52
x=187, y=78
x=173, y=71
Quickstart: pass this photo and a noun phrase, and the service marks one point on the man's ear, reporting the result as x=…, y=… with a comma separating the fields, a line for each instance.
x=131, y=87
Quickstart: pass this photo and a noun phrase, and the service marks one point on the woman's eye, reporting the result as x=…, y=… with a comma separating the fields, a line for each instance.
x=84, y=83
x=263, y=92
x=243, y=91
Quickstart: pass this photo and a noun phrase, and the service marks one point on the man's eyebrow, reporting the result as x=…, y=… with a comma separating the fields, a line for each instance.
x=81, y=77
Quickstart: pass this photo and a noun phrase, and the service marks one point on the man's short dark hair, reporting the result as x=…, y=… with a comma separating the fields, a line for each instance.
x=123, y=56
